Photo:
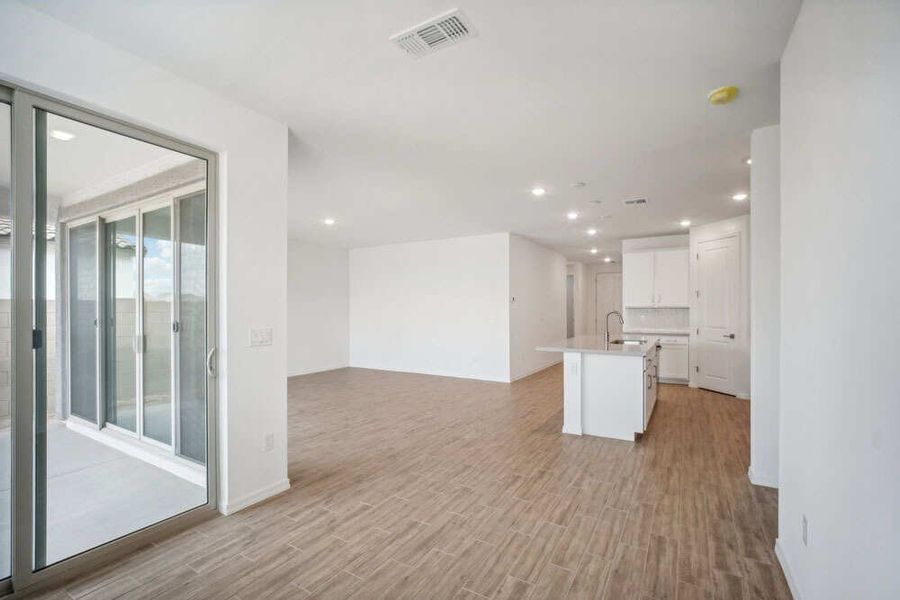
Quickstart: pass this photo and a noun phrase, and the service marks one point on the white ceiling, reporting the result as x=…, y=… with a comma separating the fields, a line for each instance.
x=94, y=162
x=609, y=93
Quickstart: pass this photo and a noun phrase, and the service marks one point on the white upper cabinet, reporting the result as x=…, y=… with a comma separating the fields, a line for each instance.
x=656, y=278
x=637, y=279
x=671, y=277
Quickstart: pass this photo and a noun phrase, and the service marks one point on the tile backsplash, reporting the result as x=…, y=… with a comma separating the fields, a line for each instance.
x=657, y=318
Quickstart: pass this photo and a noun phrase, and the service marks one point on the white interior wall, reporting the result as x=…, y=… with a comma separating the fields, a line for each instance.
x=438, y=307
x=840, y=226
x=765, y=303
x=318, y=313
x=537, y=309
x=741, y=347
x=47, y=55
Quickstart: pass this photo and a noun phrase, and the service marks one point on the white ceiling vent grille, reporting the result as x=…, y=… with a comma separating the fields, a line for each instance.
x=440, y=32
x=636, y=202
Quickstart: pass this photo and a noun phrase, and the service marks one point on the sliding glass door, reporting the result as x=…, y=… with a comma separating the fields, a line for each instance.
x=106, y=463
x=159, y=324
x=192, y=317
x=107, y=337
x=120, y=308
x=83, y=321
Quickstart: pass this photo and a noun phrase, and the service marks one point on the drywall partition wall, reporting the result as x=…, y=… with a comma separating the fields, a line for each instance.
x=740, y=227
x=765, y=304
x=537, y=309
x=439, y=307
x=45, y=54
x=656, y=242
x=318, y=314
x=840, y=225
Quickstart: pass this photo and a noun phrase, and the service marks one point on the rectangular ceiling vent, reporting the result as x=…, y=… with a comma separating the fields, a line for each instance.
x=440, y=32
x=636, y=202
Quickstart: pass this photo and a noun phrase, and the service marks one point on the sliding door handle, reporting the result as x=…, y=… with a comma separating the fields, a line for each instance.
x=210, y=362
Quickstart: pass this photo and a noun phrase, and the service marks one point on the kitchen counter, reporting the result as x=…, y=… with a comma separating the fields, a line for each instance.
x=606, y=392
x=595, y=344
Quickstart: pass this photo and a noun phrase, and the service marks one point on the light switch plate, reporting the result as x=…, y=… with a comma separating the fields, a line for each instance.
x=261, y=337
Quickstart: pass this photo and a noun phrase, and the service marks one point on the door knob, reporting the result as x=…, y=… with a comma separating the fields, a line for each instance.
x=729, y=336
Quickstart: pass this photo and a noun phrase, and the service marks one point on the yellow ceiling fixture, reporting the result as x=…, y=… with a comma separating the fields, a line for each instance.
x=723, y=95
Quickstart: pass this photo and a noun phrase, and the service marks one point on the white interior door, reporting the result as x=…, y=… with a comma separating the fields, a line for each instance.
x=570, y=305
x=609, y=297
x=718, y=272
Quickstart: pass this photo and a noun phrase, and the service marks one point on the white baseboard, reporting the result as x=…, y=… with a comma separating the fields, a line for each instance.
x=435, y=373
x=788, y=574
x=763, y=480
x=317, y=370
x=255, y=497
x=742, y=395
x=538, y=370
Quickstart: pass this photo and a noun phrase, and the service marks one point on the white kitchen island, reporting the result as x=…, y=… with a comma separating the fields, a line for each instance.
x=607, y=391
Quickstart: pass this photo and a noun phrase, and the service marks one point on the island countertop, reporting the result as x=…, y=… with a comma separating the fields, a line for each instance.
x=594, y=344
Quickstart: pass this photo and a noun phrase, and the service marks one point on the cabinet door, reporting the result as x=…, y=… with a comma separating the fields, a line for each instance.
x=673, y=362
x=672, y=277
x=637, y=279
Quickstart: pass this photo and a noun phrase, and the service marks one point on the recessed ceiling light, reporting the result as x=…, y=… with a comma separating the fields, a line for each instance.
x=571, y=215
x=63, y=136
x=329, y=221
x=685, y=223
x=607, y=259
x=593, y=251
x=739, y=196
x=749, y=161
x=592, y=231
x=723, y=95
x=538, y=191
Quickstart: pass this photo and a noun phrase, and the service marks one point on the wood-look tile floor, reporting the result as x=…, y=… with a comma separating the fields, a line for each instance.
x=412, y=486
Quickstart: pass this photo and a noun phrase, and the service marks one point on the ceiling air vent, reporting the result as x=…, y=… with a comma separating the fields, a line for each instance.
x=441, y=31
x=636, y=202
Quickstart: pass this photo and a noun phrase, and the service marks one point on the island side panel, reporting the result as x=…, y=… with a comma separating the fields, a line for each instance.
x=612, y=396
x=572, y=392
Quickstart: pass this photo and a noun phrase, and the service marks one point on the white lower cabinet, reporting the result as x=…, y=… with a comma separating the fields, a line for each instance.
x=673, y=359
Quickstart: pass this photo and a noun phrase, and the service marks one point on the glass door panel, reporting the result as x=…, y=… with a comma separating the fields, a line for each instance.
x=98, y=481
x=121, y=323
x=5, y=339
x=159, y=283
x=83, y=321
x=192, y=327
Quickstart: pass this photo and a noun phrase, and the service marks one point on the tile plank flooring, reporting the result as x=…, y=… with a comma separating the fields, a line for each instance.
x=413, y=486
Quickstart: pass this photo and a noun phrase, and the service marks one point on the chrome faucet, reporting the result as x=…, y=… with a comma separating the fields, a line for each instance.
x=621, y=322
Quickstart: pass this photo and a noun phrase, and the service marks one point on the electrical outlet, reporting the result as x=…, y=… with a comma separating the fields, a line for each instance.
x=261, y=337
x=804, y=530
x=269, y=442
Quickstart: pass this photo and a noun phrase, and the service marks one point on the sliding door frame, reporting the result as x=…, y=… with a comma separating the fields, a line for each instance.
x=24, y=106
